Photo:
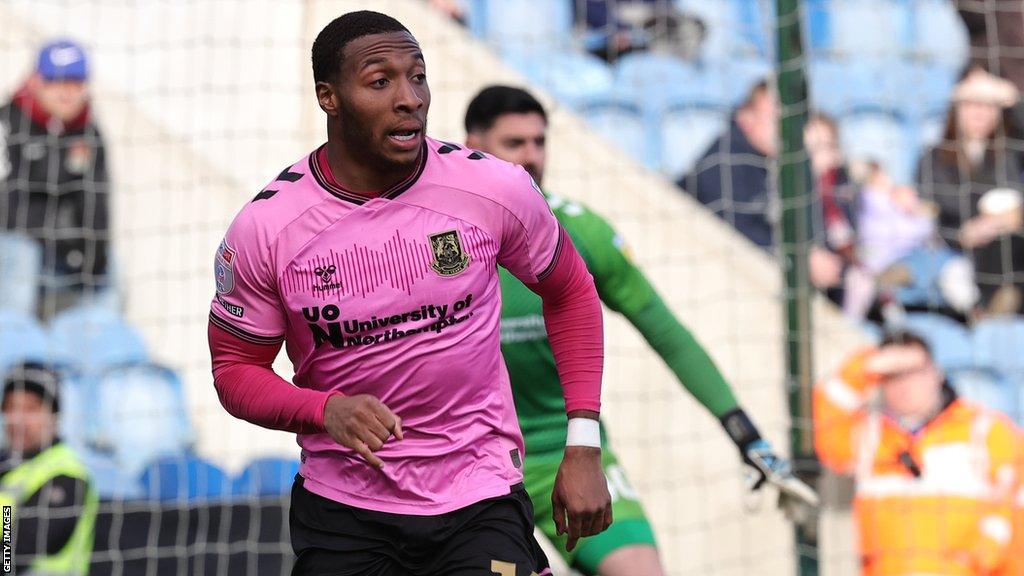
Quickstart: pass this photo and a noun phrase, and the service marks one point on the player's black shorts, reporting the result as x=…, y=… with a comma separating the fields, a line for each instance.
x=491, y=537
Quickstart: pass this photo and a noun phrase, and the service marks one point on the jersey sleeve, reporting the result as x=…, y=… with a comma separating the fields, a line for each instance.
x=246, y=303
x=531, y=237
x=621, y=284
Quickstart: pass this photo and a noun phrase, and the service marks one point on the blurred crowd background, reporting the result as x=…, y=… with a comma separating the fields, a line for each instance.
x=131, y=134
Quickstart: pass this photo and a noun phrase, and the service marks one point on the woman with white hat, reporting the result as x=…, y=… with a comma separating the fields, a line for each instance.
x=974, y=176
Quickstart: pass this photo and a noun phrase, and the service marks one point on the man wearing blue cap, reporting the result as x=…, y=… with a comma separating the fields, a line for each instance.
x=53, y=175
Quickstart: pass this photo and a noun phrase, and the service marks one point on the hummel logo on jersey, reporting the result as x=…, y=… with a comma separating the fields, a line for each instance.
x=449, y=257
x=326, y=275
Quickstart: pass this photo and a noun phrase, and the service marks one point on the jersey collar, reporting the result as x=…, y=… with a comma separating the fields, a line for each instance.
x=327, y=181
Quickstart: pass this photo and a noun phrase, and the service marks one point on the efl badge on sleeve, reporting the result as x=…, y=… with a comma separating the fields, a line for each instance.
x=223, y=268
x=449, y=257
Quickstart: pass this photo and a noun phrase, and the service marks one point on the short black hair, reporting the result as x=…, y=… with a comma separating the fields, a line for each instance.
x=335, y=36
x=37, y=378
x=905, y=338
x=494, y=101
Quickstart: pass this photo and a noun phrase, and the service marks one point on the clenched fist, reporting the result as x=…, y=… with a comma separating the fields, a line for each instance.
x=362, y=423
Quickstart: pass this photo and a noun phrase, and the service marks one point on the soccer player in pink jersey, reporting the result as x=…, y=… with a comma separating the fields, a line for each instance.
x=374, y=260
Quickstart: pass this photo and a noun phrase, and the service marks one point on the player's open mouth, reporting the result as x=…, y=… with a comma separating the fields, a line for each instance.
x=404, y=136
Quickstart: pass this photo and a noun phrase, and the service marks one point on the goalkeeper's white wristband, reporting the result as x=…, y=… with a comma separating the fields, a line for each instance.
x=584, y=432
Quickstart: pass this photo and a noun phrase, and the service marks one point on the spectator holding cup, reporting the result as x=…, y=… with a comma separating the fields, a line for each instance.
x=974, y=176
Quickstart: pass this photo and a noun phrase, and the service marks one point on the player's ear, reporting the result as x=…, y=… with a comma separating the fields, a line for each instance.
x=473, y=141
x=327, y=97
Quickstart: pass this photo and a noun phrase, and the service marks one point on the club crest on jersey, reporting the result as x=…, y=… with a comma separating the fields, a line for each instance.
x=223, y=268
x=449, y=257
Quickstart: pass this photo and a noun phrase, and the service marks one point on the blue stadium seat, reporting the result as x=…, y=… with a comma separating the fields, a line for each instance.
x=78, y=425
x=659, y=80
x=184, y=478
x=948, y=339
x=686, y=131
x=22, y=339
x=918, y=88
x=266, y=477
x=140, y=415
x=838, y=85
x=757, y=28
x=94, y=338
x=938, y=34
x=21, y=259
x=512, y=26
x=568, y=76
x=734, y=28
x=112, y=481
x=816, y=27
x=878, y=134
x=655, y=77
x=872, y=28
x=621, y=121
x=929, y=128
x=999, y=342
x=987, y=387
x=925, y=266
x=736, y=77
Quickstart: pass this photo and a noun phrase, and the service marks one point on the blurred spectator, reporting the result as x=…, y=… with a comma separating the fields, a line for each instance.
x=53, y=175
x=933, y=279
x=935, y=475
x=996, y=30
x=832, y=213
x=834, y=191
x=892, y=222
x=49, y=488
x=974, y=176
x=616, y=27
x=731, y=178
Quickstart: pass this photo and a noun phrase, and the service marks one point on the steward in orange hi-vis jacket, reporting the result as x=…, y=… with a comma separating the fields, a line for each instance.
x=1015, y=562
x=935, y=474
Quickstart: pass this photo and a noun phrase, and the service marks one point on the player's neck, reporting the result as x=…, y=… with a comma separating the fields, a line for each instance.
x=352, y=173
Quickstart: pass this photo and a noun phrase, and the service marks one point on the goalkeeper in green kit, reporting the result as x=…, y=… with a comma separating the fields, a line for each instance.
x=511, y=124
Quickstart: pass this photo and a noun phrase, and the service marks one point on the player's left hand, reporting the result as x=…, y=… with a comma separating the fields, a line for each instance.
x=797, y=500
x=580, y=500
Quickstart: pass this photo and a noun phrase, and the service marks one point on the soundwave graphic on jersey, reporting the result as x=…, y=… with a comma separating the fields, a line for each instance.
x=399, y=264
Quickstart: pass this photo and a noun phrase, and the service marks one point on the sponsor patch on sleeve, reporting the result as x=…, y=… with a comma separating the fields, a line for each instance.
x=233, y=309
x=223, y=268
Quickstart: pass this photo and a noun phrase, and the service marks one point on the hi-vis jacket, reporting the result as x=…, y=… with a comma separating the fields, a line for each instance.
x=1015, y=562
x=933, y=502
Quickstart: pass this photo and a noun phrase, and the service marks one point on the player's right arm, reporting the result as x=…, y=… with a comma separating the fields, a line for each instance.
x=538, y=251
x=245, y=333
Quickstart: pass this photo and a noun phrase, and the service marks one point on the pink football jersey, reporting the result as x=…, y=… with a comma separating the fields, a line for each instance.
x=396, y=296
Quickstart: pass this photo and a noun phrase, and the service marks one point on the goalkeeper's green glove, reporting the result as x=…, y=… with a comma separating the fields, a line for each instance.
x=797, y=500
